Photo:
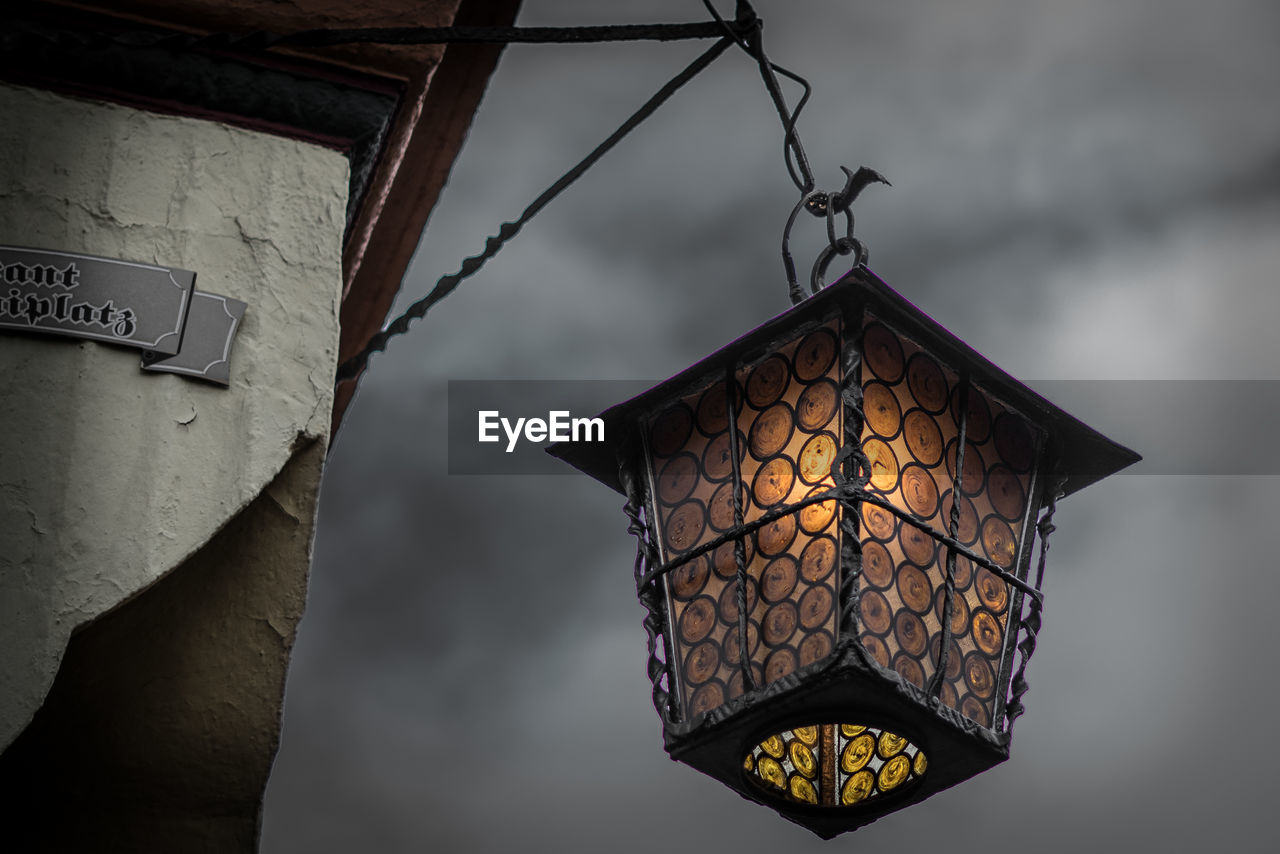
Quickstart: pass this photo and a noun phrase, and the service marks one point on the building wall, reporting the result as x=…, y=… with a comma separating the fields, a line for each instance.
x=111, y=477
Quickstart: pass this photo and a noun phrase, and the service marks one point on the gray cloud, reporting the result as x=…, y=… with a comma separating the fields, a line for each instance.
x=1081, y=190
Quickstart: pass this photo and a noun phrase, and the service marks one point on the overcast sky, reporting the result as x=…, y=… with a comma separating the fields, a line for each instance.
x=1082, y=190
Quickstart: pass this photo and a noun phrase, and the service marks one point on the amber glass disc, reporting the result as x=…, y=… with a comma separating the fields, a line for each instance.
x=817, y=405
x=802, y=790
x=688, y=579
x=815, y=518
x=963, y=572
x=818, y=559
x=768, y=381
x=987, y=633
x=713, y=411
x=919, y=490
x=876, y=648
x=671, y=430
x=914, y=588
x=1004, y=488
x=893, y=773
x=959, y=610
x=710, y=695
x=779, y=578
x=807, y=734
x=877, y=565
x=816, y=458
x=878, y=522
x=802, y=758
x=881, y=411
x=815, y=607
x=774, y=538
x=975, y=710
x=889, y=744
x=685, y=525
x=702, y=662
x=948, y=695
x=815, y=647
x=924, y=438
x=909, y=631
x=1013, y=442
x=720, y=509
x=992, y=591
x=717, y=462
x=725, y=563
x=884, y=464
x=735, y=681
x=998, y=541
x=773, y=481
x=780, y=663
x=677, y=479
x=771, y=431
x=883, y=353
x=927, y=383
x=953, y=656
x=978, y=428
x=877, y=616
x=967, y=530
x=779, y=624
x=918, y=546
x=771, y=772
x=729, y=600
x=815, y=354
x=729, y=642
x=974, y=471
x=857, y=788
x=978, y=675
x=775, y=746
x=857, y=753
x=909, y=669
x=920, y=764
x=697, y=619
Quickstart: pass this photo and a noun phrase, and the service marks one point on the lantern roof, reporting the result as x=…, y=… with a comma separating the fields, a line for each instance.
x=1079, y=453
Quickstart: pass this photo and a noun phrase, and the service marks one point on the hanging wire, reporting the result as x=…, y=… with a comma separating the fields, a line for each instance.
x=353, y=367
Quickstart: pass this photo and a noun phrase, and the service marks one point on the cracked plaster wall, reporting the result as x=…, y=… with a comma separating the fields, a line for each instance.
x=110, y=477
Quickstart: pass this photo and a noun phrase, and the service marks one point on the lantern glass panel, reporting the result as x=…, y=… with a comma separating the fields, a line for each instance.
x=787, y=410
x=835, y=765
x=911, y=435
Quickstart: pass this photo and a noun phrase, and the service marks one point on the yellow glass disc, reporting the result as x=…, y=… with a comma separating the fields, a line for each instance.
x=749, y=764
x=857, y=788
x=770, y=771
x=774, y=746
x=850, y=730
x=893, y=772
x=802, y=759
x=803, y=790
x=890, y=744
x=857, y=753
x=807, y=734
x=920, y=764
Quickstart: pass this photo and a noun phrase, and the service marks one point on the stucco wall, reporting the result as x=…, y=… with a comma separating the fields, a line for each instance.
x=110, y=477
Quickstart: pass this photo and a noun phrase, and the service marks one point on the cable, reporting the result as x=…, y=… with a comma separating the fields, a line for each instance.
x=353, y=367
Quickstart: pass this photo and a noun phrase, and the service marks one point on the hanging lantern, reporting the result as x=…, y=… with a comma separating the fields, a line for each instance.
x=836, y=516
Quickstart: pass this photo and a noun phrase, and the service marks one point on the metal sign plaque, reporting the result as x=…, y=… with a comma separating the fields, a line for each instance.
x=138, y=305
x=206, y=344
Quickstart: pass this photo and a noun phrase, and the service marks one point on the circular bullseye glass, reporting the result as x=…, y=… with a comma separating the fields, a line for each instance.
x=836, y=765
